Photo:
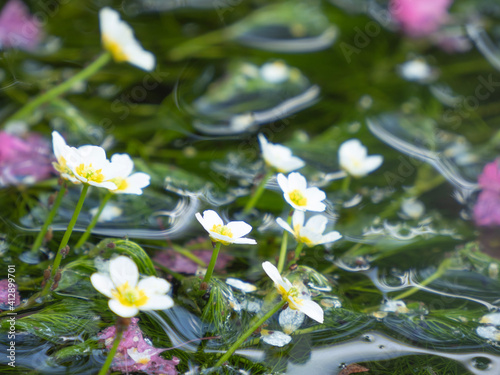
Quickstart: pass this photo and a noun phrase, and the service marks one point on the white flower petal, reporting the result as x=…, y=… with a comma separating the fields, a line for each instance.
x=154, y=285
x=317, y=224
x=121, y=310
x=102, y=283
x=312, y=310
x=297, y=182
x=272, y=272
x=122, y=269
x=298, y=220
x=283, y=224
x=283, y=182
x=241, y=285
x=245, y=241
x=124, y=163
x=239, y=228
x=135, y=184
x=211, y=218
x=158, y=302
x=330, y=237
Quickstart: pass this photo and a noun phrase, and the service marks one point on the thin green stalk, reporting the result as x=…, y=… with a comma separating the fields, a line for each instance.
x=112, y=352
x=213, y=260
x=346, y=182
x=258, y=192
x=62, y=88
x=248, y=332
x=93, y=223
x=48, y=221
x=284, y=243
x=198, y=44
x=298, y=250
x=188, y=254
x=65, y=239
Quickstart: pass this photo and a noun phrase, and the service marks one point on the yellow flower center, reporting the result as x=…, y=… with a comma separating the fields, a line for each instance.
x=121, y=183
x=223, y=231
x=115, y=49
x=128, y=296
x=297, y=198
x=90, y=173
x=62, y=167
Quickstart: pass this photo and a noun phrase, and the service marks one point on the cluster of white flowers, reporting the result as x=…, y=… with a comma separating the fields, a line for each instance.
x=89, y=165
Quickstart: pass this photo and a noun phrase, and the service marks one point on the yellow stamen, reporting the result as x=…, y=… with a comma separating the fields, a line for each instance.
x=130, y=297
x=223, y=231
x=297, y=198
x=115, y=49
x=89, y=173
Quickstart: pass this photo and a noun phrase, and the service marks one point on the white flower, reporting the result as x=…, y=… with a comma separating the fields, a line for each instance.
x=279, y=157
x=128, y=183
x=354, y=160
x=127, y=294
x=417, y=70
x=63, y=153
x=291, y=294
x=298, y=195
x=275, y=72
x=118, y=38
x=227, y=234
x=85, y=164
x=310, y=234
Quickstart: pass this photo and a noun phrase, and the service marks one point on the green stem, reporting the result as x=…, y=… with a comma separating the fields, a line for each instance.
x=258, y=192
x=284, y=243
x=439, y=272
x=213, y=260
x=298, y=250
x=248, y=332
x=48, y=221
x=93, y=223
x=65, y=239
x=188, y=254
x=62, y=88
x=112, y=352
x=346, y=182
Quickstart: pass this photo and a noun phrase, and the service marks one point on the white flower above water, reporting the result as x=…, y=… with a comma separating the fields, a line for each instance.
x=127, y=294
x=241, y=285
x=298, y=195
x=310, y=234
x=354, y=159
x=417, y=70
x=232, y=232
x=86, y=164
x=291, y=294
x=118, y=38
x=128, y=182
x=279, y=157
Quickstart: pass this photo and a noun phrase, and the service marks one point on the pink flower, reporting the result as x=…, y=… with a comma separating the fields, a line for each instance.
x=5, y=294
x=24, y=161
x=18, y=29
x=420, y=18
x=490, y=178
x=487, y=209
x=135, y=354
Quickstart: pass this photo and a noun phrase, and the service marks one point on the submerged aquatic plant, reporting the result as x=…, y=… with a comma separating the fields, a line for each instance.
x=127, y=294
